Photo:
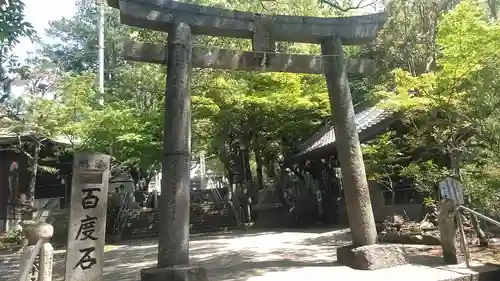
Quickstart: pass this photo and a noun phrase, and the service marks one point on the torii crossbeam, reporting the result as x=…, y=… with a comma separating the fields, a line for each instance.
x=159, y=15
x=181, y=20
x=205, y=57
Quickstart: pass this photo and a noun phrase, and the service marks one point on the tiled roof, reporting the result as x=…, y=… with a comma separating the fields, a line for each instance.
x=365, y=119
x=7, y=137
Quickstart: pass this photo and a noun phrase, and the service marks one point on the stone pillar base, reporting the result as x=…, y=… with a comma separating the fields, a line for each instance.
x=371, y=257
x=178, y=273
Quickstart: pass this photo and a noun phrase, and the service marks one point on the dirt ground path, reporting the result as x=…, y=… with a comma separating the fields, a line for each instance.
x=245, y=256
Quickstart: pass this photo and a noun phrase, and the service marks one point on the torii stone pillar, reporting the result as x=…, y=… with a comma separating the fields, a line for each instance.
x=356, y=192
x=174, y=218
x=173, y=244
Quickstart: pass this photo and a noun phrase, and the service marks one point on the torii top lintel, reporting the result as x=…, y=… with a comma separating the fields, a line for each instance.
x=160, y=14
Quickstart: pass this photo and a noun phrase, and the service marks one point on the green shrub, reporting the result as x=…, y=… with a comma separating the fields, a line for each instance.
x=13, y=237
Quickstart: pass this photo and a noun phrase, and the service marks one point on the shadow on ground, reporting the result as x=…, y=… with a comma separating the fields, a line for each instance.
x=238, y=255
x=232, y=256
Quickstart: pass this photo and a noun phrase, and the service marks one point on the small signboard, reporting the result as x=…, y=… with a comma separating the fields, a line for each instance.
x=452, y=189
x=87, y=217
x=338, y=173
x=318, y=195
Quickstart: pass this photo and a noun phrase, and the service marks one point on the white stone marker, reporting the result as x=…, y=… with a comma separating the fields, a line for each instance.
x=87, y=217
x=41, y=268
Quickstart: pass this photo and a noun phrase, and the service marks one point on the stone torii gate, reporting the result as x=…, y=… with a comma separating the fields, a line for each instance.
x=180, y=21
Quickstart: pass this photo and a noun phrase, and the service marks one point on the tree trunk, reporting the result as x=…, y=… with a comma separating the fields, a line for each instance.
x=232, y=182
x=280, y=187
x=393, y=197
x=259, y=170
x=114, y=60
x=34, y=167
x=258, y=161
x=483, y=240
x=245, y=167
x=493, y=8
x=246, y=184
x=30, y=197
x=269, y=161
x=230, y=176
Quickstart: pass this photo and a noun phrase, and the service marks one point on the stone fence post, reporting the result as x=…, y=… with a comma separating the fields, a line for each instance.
x=448, y=231
x=30, y=268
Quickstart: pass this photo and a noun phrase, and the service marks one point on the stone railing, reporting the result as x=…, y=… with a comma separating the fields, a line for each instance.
x=450, y=220
x=38, y=235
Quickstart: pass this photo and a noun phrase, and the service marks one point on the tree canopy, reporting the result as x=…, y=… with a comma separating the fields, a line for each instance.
x=436, y=65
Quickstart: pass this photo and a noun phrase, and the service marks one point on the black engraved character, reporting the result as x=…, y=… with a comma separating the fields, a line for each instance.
x=101, y=165
x=87, y=228
x=83, y=163
x=90, y=200
x=86, y=261
x=34, y=270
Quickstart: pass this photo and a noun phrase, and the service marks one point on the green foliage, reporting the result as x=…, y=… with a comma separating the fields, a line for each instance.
x=13, y=237
x=382, y=160
x=452, y=111
x=483, y=186
x=271, y=113
x=389, y=161
x=425, y=175
x=441, y=60
x=12, y=26
x=76, y=49
x=429, y=202
x=37, y=119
